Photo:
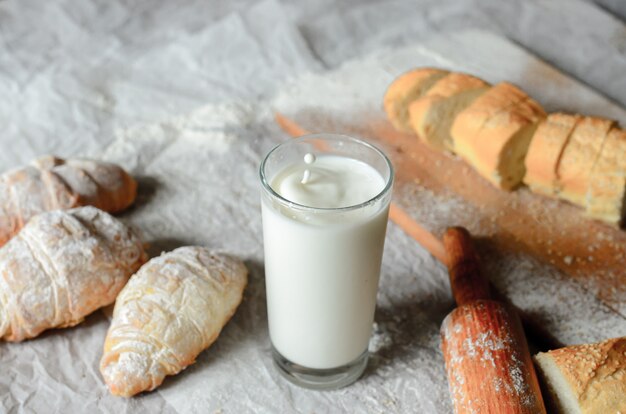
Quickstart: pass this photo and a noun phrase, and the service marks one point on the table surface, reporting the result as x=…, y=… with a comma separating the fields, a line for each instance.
x=72, y=73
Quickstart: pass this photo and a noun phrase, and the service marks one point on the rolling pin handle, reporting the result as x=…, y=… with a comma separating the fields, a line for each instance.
x=466, y=280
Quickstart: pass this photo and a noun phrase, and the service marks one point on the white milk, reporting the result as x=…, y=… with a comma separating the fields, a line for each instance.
x=322, y=270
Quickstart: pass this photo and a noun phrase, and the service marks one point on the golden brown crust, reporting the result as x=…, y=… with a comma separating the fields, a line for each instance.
x=595, y=374
x=431, y=116
x=579, y=156
x=115, y=188
x=606, y=194
x=545, y=151
x=470, y=121
x=494, y=132
x=454, y=83
x=51, y=183
x=499, y=131
x=404, y=90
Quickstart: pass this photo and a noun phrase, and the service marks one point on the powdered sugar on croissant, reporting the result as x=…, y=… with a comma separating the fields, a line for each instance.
x=171, y=310
x=51, y=183
x=62, y=266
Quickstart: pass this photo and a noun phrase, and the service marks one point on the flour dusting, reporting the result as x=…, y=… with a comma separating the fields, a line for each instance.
x=211, y=129
x=339, y=100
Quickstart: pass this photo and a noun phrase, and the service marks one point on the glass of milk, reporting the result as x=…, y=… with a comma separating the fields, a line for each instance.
x=325, y=204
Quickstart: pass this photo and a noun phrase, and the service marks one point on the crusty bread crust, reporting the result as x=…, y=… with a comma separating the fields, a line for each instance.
x=454, y=83
x=431, y=116
x=579, y=156
x=545, y=151
x=606, y=193
x=471, y=120
x=504, y=134
x=493, y=134
x=51, y=183
x=594, y=375
x=404, y=90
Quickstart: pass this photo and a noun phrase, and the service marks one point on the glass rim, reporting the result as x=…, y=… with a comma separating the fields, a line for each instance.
x=268, y=188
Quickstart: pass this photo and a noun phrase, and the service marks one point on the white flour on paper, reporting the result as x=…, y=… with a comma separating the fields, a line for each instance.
x=198, y=184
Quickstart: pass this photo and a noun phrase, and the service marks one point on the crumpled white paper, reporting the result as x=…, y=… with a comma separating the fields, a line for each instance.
x=91, y=70
x=71, y=74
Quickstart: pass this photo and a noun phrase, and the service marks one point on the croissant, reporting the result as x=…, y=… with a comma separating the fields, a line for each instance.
x=170, y=311
x=51, y=183
x=62, y=266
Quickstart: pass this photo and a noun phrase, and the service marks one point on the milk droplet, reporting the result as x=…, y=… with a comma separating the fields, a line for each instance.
x=308, y=159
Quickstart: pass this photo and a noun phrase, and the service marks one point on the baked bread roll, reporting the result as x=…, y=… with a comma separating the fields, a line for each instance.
x=51, y=183
x=431, y=115
x=494, y=132
x=169, y=312
x=579, y=156
x=606, y=194
x=545, y=151
x=470, y=121
x=505, y=135
x=62, y=266
x=586, y=379
x=404, y=90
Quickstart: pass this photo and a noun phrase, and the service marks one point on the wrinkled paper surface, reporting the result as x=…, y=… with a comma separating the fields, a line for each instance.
x=114, y=97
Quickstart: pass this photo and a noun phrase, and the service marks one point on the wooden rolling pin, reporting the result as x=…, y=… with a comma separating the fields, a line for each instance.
x=487, y=359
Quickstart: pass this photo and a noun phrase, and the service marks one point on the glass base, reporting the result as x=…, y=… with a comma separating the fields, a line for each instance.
x=320, y=379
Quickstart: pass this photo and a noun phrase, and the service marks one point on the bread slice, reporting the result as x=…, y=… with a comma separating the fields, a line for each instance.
x=469, y=121
x=431, y=116
x=585, y=379
x=606, y=194
x=493, y=133
x=404, y=90
x=579, y=156
x=545, y=150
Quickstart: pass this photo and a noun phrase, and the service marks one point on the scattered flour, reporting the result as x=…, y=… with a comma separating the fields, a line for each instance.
x=568, y=310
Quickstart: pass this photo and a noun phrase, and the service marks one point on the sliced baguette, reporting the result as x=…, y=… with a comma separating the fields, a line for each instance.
x=545, y=150
x=469, y=122
x=493, y=134
x=404, y=90
x=585, y=379
x=606, y=194
x=579, y=156
x=431, y=116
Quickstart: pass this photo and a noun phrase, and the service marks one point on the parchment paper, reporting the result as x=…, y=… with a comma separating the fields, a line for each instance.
x=74, y=84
